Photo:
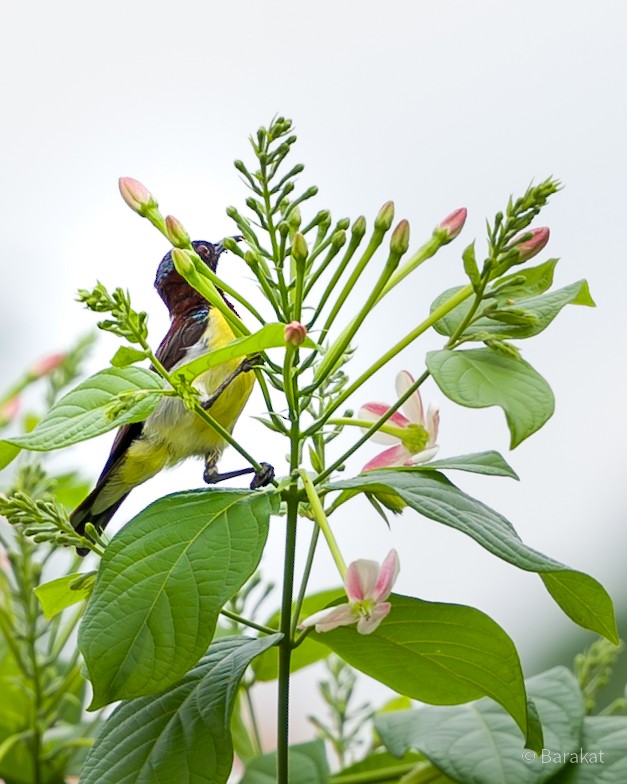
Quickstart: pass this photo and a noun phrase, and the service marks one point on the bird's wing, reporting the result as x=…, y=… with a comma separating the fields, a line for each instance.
x=182, y=335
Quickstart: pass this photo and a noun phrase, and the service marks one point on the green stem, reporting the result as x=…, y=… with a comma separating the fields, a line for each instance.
x=418, y=773
x=323, y=523
x=428, y=250
x=253, y=721
x=434, y=317
x=307, y=571
x=246, y=622
x=285, y=646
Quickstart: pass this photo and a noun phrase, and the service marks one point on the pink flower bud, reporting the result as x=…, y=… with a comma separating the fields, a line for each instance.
x=530, y=247
x=176, y=232
x=295, y=333
x=9, y=409
x=138, y=198
x=46, y=365
x=453, y=224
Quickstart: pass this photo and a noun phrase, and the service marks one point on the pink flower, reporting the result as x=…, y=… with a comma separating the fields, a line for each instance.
x=453, y=224
x=9, y=410
x=136, y=195
x=295, y=333
x=530, y=247
x=413, y=434
x=367, y=587
x=47, y=365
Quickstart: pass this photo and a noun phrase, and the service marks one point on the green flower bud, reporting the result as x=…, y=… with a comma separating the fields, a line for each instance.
x=299, y=251
x=399, y=242
x=338, y=239
x=183, y=261
x=176, y=233
x=384, y=219
x=359, y=227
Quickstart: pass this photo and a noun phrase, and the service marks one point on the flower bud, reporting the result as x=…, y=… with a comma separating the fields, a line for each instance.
x=299, y=251
x=9, y=410
x=359, y=227
x=338, y=239
x=176, y=233
x=294, y=219
x=452, y=225
x=532, y=243
x=183, y=262
x=295, y=333
x=384, y=219
x=343, y=223
x=138, y=198
x=46, y=365
x=399, y=242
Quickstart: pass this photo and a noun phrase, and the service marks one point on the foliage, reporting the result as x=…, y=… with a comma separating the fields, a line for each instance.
x=151, y=636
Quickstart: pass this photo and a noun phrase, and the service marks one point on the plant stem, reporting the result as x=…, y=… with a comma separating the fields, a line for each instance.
x=435, y=316
x=323, y=523
x=307, y=571
x=246, y=622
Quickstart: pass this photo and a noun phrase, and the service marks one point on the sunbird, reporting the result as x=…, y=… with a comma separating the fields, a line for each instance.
x=172, y=433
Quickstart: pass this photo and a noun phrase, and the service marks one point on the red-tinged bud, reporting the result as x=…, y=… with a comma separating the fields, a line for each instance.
x=452, y=225
x=46, y=365
x=295, y=333
x=9, y=410
x=138, y=197
x=399, y=242
x=532, y=243
x=384, y=219
x=176, y=233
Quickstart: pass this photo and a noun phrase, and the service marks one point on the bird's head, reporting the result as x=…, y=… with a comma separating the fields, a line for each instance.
x=173, y=289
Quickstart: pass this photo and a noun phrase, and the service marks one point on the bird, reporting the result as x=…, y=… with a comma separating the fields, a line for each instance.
x=172, y=433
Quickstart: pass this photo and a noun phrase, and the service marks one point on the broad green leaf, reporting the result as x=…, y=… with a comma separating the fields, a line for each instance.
x=266, y=666
x=56, y=595
x=528, y=296
x=431, y=494
x=479, y=742
x=480, y=377
x=127, y=355
x=602, y=756
x=162, y=581
x=269, y=336
x=181, y=735
x=443, y=654
x=90, y=409
x=391, y=768
x=307, y=763
x=490, y=463
x=8, y=453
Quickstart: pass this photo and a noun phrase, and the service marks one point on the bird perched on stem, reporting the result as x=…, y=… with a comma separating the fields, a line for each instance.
x=172, y=433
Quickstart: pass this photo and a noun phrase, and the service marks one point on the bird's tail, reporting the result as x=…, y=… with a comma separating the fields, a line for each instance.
x=84, y=514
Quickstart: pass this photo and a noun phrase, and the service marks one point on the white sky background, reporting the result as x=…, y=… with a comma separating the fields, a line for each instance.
x=433, y=104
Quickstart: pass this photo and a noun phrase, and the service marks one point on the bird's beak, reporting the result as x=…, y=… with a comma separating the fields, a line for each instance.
x=220, y=247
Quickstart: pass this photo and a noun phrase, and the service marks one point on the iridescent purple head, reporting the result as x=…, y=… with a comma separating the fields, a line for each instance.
x=174, y=290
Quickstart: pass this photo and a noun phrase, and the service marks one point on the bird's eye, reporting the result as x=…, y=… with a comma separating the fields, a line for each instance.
x=202, y=250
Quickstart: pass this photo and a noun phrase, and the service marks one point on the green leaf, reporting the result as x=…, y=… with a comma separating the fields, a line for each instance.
x=443, y=654
x=127, y=355
x=479, y=378
x=266, y=666
x=8, y=453
x=307, y=761
x=479, y=742
x=528, y=297
x=470, y=266
x=161, y=584
x=269, y=336
x=181, y=735
x=490, y=463
x=602, y=757
x=389, y=766
x=431, y=494
x=86, y=411
x=56, y=595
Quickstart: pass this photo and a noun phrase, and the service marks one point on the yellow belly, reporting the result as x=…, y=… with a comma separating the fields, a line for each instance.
x=172, y=433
